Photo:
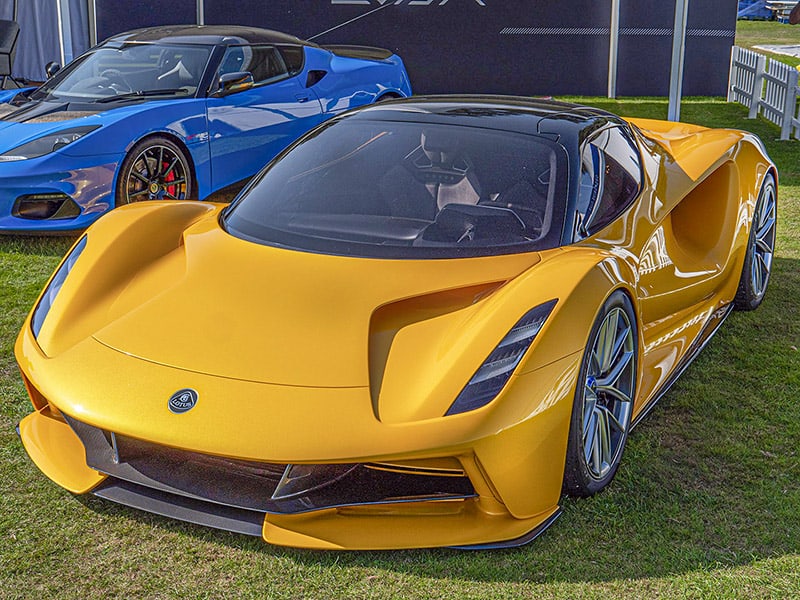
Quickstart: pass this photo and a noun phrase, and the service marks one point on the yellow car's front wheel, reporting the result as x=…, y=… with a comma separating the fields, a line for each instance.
x=601, y=412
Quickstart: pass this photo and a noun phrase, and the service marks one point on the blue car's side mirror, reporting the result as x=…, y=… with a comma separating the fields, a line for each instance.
x=51, y=68
x=232, y=83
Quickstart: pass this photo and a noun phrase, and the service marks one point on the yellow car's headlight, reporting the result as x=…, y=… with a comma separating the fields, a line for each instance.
x=496, y=370
x=52, y=289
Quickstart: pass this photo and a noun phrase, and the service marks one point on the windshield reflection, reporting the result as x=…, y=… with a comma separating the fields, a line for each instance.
x=131, y=72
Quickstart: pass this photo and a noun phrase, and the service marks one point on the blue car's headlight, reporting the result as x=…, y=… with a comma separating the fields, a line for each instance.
x=496, y=370
x=51, y=291
x=46, y=144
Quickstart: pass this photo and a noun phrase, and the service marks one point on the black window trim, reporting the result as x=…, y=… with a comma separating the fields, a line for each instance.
x=301, y=68
x=265, y=82
x=584, y=227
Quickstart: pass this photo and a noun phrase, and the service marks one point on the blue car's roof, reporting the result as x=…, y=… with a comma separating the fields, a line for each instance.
x=207, y=35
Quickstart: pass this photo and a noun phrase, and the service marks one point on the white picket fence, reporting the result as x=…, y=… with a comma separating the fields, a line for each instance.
x=766, y=87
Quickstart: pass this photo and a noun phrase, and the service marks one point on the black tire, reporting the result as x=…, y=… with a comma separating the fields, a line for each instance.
x=156, y=168
x=598, y=413
x=760, y=248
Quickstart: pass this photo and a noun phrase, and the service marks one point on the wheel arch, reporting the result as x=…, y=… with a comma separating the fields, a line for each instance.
x=585, y=278
x=596, y=275
x=171, y=136
x=625, y=288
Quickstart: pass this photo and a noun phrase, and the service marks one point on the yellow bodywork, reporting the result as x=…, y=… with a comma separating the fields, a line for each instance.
x=308, y=358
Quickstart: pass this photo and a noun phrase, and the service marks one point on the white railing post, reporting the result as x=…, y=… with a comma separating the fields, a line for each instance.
x=796, y=121
x=732, y=73
x=789, y=104
x=758, y=85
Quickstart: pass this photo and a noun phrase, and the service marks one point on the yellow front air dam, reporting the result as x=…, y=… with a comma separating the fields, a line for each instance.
x=57, y=451
x=462, y=524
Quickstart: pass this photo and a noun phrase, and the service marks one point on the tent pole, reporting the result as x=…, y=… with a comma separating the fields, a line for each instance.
x=676, y=70
x=613, y=47
x=92, y=11
x=60, y=24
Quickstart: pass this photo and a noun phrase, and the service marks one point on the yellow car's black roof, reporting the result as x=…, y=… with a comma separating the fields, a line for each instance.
x=510, y=113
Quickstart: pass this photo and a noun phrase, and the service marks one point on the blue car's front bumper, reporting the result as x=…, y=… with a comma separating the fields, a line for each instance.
x=87, y=181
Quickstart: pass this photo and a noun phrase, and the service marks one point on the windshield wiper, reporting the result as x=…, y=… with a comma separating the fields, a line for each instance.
x=142, y=94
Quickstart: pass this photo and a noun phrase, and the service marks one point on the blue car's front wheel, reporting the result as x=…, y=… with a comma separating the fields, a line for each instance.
x=156, y=168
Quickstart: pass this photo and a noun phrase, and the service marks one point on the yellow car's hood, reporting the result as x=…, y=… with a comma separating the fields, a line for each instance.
x=223, y=306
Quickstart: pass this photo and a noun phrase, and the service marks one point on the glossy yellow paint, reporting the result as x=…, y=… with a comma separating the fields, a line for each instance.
x=686, y=236
x=57, y=451
x=307, y=358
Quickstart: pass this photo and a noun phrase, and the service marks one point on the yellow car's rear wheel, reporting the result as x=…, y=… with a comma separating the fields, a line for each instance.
x=760, y=247
x=601, y=412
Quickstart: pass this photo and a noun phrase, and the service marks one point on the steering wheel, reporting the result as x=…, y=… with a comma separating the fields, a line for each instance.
x=116, y=77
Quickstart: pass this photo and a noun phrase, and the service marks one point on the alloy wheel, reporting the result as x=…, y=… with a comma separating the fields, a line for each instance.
x=763, y=242
x=608, y=393
x=157, y=173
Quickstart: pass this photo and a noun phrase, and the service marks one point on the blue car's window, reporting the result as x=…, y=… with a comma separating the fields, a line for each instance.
x=403, y=189
x=159, y=70
x=294, y=57
x=265, y=63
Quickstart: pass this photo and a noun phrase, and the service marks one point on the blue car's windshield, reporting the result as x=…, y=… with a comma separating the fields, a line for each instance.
x=132, y=71
x=408, y=190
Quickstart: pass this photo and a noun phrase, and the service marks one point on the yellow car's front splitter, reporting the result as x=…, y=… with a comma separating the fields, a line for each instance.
x=405, y=526
x=479, y=522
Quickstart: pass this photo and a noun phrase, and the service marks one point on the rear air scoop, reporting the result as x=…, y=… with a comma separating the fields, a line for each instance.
x=256, y=313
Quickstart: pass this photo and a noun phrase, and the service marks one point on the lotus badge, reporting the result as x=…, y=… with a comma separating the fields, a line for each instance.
x=183, y=401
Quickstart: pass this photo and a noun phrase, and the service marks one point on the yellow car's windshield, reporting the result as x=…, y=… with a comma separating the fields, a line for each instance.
x=406, y=189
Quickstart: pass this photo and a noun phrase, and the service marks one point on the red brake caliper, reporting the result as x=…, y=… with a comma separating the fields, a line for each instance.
x=171, y=189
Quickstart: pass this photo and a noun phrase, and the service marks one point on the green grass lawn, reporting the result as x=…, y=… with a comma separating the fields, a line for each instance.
x=706, y=503
x=754, y=33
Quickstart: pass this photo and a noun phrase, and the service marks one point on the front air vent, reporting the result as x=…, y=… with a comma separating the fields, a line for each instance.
x=41, y=207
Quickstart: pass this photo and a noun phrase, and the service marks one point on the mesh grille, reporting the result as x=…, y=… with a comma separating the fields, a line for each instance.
x=251, y=485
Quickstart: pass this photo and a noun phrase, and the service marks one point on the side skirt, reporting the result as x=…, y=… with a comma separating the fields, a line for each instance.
x=716, y=319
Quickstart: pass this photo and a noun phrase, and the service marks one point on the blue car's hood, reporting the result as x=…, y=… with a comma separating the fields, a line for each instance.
x=27, y=121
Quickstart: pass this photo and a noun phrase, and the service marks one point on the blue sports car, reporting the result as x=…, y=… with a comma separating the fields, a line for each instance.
x=171, y=113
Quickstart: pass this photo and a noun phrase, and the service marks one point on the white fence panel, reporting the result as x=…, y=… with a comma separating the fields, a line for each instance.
x=766, y=87
x=745, y=67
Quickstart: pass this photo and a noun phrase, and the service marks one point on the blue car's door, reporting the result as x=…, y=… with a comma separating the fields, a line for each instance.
x=247, y=129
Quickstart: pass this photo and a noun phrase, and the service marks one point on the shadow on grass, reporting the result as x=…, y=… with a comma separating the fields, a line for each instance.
x=709, y=479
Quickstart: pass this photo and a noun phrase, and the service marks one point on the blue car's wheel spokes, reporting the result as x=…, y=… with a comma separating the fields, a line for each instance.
x=608, y=392
x=158, y=172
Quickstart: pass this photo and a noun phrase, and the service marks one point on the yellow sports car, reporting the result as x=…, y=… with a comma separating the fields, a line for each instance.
x=416, y=327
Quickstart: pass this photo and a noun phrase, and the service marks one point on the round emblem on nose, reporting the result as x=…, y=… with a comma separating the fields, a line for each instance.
x=182, y=401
